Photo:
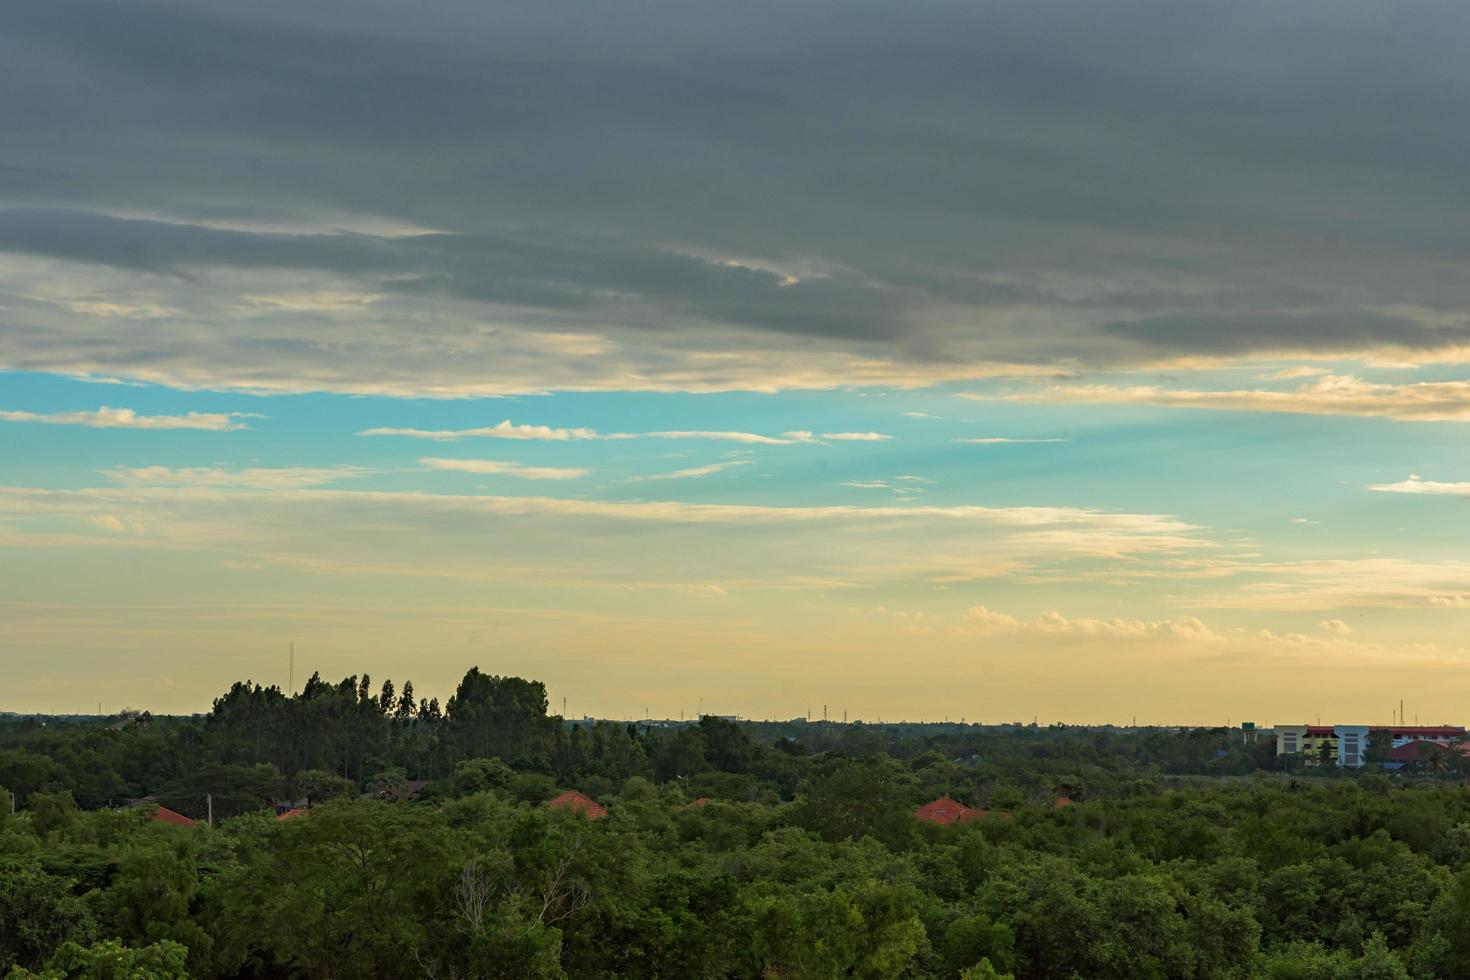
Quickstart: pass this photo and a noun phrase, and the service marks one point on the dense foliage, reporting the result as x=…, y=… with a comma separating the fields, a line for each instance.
x=729, y=850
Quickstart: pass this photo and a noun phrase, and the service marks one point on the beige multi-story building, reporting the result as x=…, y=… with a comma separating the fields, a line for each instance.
x=1347, y=745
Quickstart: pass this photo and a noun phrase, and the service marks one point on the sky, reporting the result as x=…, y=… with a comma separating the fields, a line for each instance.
x=1080, y=362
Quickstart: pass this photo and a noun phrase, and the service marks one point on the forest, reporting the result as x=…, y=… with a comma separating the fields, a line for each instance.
x=417, y=843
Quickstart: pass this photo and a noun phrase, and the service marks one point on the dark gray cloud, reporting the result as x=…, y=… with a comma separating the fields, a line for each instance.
x=918, y=184
x=1310, y=332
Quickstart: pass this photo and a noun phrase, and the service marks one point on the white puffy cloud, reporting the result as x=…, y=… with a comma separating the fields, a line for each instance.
x=856, y=436
x=504, y=429
x=1184, y=628
x=1414, y=484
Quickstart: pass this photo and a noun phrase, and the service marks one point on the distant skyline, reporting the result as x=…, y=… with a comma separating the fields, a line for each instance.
x=1085, y=362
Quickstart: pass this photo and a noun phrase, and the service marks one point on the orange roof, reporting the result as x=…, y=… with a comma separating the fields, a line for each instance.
x=1062, y=801
x=573, y=800
x=164, y=815
x=295, y=811
x=943, y=810
x=947, y=811
x=702, y=801
x=1423, y=750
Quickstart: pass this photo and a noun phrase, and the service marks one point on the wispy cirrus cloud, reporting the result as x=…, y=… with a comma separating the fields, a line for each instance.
x=901, y=486
x=856, y=436
x=1423, y=401
x=506, y=429
x=1342, y=583
x=257, y=478
x=496, y=467
x=126, y=418
x=750, y=438
x=572, y=543
x=1003, y=441
x=1030, y=518
x=695, y=472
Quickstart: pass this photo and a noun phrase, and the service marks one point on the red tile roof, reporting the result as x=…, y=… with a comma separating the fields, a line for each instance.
x=292, y=813
x=702, y=801
x=1062, y=801
x=947, y=811
x=943, y=810
x=164, y=815
x=573, y=800
x=1421, y=750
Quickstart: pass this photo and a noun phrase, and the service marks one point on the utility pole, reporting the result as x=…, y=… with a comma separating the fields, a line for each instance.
x=209, y=808
x=291, y=674
x=824, y=714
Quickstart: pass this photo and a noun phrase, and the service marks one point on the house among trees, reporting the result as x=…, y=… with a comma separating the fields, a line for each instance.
x=948, y=811
x=164, y=815
x=1427, y=755
x=572, y=800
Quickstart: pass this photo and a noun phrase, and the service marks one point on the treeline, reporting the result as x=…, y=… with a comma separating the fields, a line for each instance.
x=258, y=745
x=729, y=850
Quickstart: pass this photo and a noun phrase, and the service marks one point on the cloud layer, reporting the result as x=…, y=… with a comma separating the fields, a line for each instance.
x=473, y=199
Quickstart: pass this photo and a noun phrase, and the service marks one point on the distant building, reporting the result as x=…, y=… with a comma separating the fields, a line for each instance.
x=578, y=802
x=943, y=810
x=1347, y=745
x=1352, y=745
x=1290, y=739
x=948, y=811
x=1406, y=734
x=1306, y=741
x=164, y=815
